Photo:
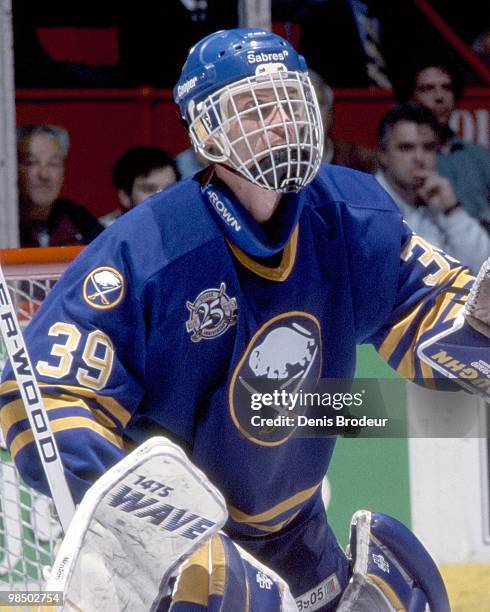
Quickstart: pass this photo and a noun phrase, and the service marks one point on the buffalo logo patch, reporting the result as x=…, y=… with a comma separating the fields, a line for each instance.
x=283, y=358
x=103, y=287
x=211, y=314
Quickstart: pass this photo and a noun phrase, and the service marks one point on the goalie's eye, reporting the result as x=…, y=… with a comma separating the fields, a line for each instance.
x=248, y=105
x=242, y=103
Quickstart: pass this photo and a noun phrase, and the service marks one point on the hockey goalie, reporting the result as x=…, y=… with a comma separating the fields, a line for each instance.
x=265, y=269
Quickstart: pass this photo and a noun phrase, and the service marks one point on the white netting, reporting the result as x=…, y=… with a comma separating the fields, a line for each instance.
x=28, y=527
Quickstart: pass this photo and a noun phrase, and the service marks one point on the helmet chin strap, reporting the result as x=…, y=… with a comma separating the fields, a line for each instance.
x=240, y=227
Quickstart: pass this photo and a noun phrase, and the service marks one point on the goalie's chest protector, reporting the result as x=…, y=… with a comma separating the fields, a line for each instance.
x=223, y=325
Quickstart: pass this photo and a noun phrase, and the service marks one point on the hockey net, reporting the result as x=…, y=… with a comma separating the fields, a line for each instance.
x=29, y=528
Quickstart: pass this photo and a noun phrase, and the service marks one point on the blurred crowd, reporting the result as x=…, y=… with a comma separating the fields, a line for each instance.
x=351, y=43
x=440, y=182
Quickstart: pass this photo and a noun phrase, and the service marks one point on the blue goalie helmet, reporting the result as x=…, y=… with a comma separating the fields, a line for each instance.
x=249, y=104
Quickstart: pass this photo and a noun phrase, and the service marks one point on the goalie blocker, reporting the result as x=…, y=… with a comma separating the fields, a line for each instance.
x=133, y=529
x=462, y=352
x=146, y=537
x=136, y=526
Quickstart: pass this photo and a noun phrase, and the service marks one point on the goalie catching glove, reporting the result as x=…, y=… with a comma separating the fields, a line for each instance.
x=462, y=352
x=392, y=571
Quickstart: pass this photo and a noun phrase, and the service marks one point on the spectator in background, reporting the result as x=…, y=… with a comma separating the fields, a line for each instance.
x=45, y=218
x=190, y=161
x=339, y=152
x=139, y=173
x=407, y=148
x=467, y=165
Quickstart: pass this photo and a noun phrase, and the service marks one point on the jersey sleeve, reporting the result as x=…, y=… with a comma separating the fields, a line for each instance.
x=90, y=390
x=432, y=288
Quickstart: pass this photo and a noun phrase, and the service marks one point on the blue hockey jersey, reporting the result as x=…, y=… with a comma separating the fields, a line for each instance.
x=163, y=323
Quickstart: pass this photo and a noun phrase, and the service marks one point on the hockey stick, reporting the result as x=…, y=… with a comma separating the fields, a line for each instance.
x=34, y=406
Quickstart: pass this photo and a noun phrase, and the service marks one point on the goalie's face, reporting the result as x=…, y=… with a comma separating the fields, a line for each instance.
x=268, y=129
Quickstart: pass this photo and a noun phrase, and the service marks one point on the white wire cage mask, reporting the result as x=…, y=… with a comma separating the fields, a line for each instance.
x=266, y=127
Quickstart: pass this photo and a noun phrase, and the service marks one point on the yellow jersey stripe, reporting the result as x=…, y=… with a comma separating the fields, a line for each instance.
x=14, y=412
x=464, y=278
x=270, y=528
x=407, y=365
x=282, y=271
x=110, y=404
x=397, y=332
x=392, y=340
x=241, y=517
x=64, y=424
x=121, y=414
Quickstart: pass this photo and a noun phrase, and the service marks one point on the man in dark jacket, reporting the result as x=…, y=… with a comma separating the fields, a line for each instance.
x=45, y=218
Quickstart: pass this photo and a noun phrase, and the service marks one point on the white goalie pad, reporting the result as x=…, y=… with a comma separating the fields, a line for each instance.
x=133, y=529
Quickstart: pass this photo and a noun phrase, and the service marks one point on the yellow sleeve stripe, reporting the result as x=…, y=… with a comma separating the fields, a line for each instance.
x=112, y=406
x=67, y=401
x=453, y=312
x=459, y=282
x=463, y=279
x=14, y=412
x=8, y=386
x=66, y=424
x=241, y=517
x=393, y=339
x=193, y=581
x=407, y=365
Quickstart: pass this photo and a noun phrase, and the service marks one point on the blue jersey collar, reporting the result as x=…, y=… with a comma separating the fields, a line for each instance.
x=238, y=225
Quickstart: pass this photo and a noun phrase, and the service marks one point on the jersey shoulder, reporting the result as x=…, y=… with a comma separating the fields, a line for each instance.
x=177, y=214
x=167, y=226
x=352, y=188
